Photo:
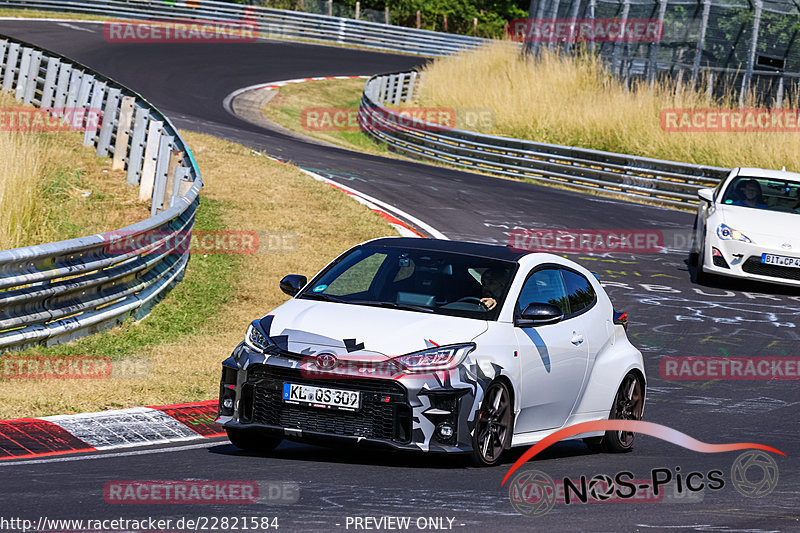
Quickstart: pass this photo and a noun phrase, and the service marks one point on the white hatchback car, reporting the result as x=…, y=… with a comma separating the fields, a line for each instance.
x=438, y=346
x=749, y=227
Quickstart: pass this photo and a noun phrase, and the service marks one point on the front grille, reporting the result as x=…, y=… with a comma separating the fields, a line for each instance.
x=720, y=261
x=376, y=419
x=753, y=265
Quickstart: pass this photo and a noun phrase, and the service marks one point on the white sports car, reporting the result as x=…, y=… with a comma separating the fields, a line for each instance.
x=437, y=346
x=749, y=227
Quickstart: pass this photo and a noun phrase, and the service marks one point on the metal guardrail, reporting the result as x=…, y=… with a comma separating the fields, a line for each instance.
x=55, y=292
x=663, y=182
x=271, y=23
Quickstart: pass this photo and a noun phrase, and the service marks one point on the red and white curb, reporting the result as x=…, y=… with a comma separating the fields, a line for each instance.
x=108, y=430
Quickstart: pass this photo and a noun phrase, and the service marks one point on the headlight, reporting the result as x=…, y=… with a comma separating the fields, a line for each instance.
x=726, y=233
x=255, y=340
x=439, y=358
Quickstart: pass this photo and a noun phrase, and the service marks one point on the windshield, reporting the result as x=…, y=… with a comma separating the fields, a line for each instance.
x=764, y=193
x=425, y=281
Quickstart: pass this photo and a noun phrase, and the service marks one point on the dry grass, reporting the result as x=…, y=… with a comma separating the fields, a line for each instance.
x=33, y=13
x=287, y=106
x=21, y=176
x=54, y=188
x=252, y=193
x=574, y=102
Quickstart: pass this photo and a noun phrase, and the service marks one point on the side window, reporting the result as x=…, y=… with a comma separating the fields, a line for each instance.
x=579, y=291
x=544, y=286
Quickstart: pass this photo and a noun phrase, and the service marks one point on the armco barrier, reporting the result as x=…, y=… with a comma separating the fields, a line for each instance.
x=55, y=292
x=271, y=23
x=661, y=182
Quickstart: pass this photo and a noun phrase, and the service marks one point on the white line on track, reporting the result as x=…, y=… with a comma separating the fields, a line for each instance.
x=436, y=234
x=70, y=458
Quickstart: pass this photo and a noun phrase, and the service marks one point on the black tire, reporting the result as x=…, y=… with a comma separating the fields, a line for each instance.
x=628, y=405
x=253, y=440
x=699, y=275
x=492, y=435
x=693, y=254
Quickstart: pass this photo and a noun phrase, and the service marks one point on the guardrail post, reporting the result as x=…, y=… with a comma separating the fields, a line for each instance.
x=75, y=79
x=22, y=74
x=83, y=92
x=11, y=64
x=123, y=133
x=162, y=167
x=412, y=83
x=140, y=119
x=62, y=85
x=3, y=48
x=49, y=89
x=398, y=89
x=109, y=119
x=33, y=77
x=340, y=34
x=181, y=185
x=172, y=182
x=96, y=102
x=150, y=156
x=380, y=90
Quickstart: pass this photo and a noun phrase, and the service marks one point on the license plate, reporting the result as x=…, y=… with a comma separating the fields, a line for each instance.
x=780, y=260
x=321, y=397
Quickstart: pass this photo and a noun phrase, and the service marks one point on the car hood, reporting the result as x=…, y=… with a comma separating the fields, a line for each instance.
x=355, y=331
x=766, y=228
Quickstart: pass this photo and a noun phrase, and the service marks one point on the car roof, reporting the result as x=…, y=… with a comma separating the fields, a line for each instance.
x=492, y=251
x=749, y=172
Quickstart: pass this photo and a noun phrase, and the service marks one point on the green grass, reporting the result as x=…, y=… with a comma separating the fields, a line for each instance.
x=208, y=284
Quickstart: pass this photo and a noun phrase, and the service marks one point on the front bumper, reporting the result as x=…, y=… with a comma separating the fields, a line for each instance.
x=405, y=412
x=743, y=260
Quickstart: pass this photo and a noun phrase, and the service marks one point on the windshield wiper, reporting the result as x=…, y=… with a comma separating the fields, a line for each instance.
x=324, y=297
x=405, y=307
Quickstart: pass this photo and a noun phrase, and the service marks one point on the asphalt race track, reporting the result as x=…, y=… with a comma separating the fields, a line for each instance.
x=669, y=314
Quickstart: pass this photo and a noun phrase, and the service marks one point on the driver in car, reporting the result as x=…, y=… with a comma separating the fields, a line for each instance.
x=752, y=196
x=493, y=281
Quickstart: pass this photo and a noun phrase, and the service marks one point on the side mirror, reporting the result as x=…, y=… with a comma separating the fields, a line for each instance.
x=706, y=195
x=292, y=284
x=539, y=314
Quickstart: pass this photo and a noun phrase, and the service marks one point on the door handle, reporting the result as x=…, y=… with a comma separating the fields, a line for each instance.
x=577, y=339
